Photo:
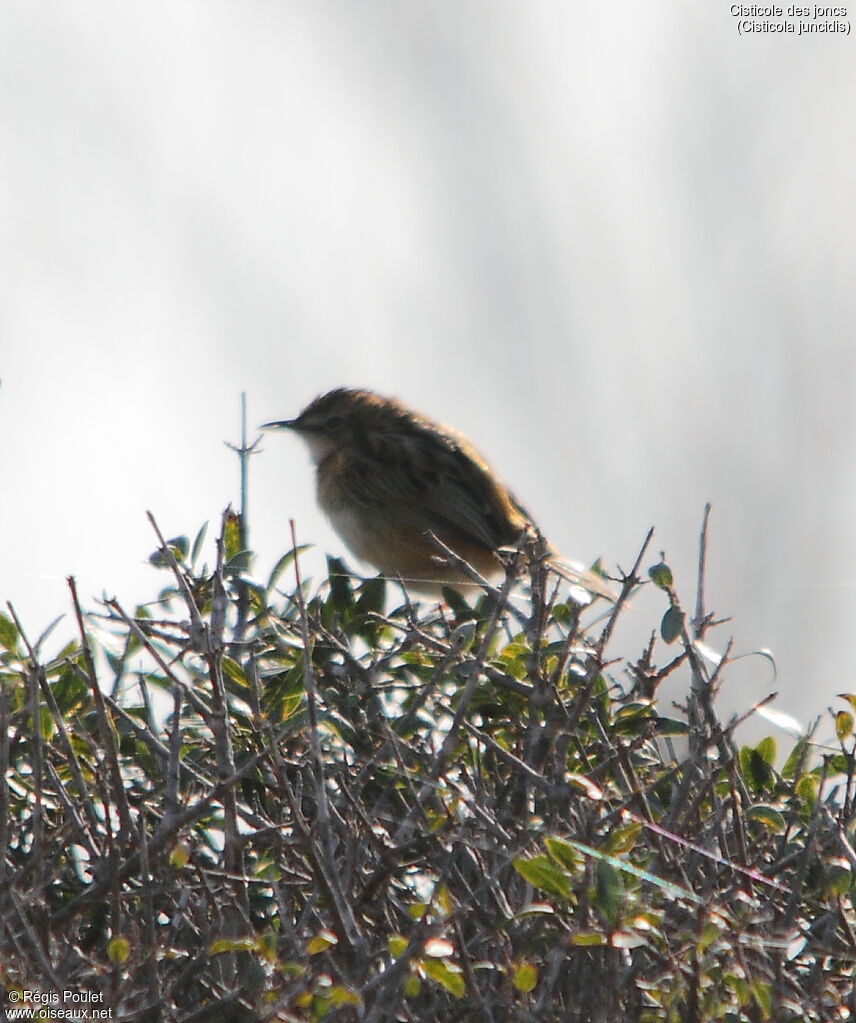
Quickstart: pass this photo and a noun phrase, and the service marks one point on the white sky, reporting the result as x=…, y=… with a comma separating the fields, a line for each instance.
x=610, y=242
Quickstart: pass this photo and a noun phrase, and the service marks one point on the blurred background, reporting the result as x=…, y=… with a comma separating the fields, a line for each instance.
x=611, y=243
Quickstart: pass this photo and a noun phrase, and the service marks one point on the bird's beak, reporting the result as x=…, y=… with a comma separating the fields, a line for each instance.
x=282, y=424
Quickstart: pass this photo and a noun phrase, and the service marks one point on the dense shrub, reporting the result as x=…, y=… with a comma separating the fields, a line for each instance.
x=283, y=801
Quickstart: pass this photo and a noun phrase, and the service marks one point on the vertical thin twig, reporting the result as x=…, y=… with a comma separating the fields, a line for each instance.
x=213, y=652
x=174, y=762
x=698, y=622
x=630, y=582
x=82, y=790
x=243, y=451
x=245, y=464
x=352, y=934
x=4, y=774
x=104, y=724
x=311, y=701
x=34, y=707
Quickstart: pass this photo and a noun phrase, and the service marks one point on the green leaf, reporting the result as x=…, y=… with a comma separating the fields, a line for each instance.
x=118, y=950
x=199, y=539
x=621, y=840
x=235, y=672
x=70, y=692
x=239, y=563
x=179, y=856
x=341, y=594
x=754, y=768
x=321, y=942
x=340, y=995
x=609, y=892
x=443, y=900
x=633, y=719
x=284, y=562
x=763, y=995
x=562, y=614
x=524, y=977
x=412, y=986
x=452, y=597
x=232, y=538
x=178, y=546
x=222, y=946
x=46, y=723
x=565, y=855
x=772, y=819
x=585, y=785
x=535, y=909
x=463, y=636
x=838, y=879
x=807, y=788
x=709, y=933
x=672, y=624
x=540, y=872
x=372, y=598
x=445, y=975
x=796, y=757
x=370, y=603
x=843, y=725
x=289, y=707
x=670, y=726
x=661, y=575
x=767, y=750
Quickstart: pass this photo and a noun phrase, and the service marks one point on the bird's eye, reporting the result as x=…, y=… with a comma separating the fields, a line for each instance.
x=334, y=423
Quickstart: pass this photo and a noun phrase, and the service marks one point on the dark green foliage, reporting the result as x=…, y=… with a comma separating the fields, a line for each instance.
x=250, y=802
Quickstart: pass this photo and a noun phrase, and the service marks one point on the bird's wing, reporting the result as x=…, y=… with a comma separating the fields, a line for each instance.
x=422, y=475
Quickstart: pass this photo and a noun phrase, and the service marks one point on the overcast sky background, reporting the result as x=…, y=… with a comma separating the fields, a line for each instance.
x=613, y=243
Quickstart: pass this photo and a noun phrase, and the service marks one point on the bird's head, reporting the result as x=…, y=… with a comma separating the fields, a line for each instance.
x=341, y=417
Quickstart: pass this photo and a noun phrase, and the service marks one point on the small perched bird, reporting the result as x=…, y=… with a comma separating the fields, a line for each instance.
x=387, y=477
